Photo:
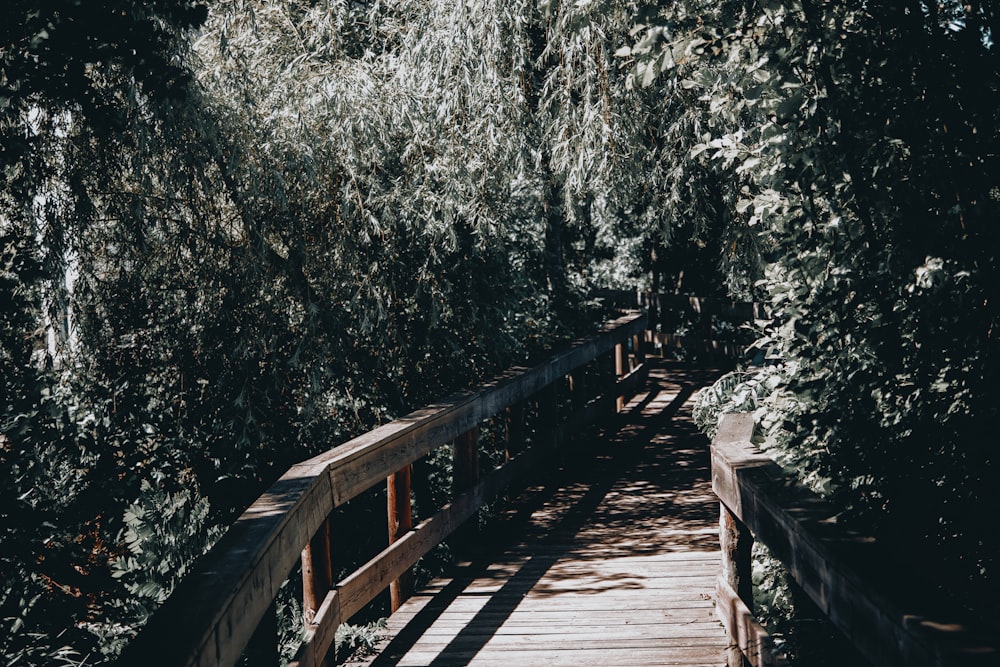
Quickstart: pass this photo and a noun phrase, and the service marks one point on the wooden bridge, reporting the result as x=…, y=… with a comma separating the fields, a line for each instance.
x=612, y=561
x=614, y=549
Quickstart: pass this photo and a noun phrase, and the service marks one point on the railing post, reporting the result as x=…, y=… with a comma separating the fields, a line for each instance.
x=400, y=520
x=464, y=475
x=737, y=544
x=638, y=353
x=514, y=430
x=317, y=572
x=619, y=359
x=465, y=452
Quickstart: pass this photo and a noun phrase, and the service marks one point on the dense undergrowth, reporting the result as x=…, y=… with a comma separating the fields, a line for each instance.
x=234, y=234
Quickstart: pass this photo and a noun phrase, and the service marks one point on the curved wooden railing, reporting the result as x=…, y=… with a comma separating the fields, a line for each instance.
x=891, y=616
x=226, y=606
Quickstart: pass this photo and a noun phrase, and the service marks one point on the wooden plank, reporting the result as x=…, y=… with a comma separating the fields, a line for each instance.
x=881, y=607
x=619, y=657
x=561, y=639
x=749, y=636
x=360, y=463
x=465, y=460
x=317, y=571
x=619, y=368
x=212, y=614
x=563, y=597
x=353, y=593
x=736, y=544
x=400, y=521
x=644, y=622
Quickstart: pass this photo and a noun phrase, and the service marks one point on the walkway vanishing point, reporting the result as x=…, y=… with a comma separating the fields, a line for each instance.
x=612, y=562
x=628, y=542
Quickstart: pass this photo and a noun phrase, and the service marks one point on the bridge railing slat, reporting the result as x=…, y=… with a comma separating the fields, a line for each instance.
x=890, y=614
x=211, y=617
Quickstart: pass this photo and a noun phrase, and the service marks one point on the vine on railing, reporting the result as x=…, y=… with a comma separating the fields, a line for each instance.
x=225, y=608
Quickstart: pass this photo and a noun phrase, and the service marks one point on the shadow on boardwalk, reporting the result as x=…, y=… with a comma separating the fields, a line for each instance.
x=612, y=561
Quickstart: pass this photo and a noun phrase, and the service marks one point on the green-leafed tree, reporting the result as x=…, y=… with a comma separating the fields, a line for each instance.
x=862, y=143
x=224, y=258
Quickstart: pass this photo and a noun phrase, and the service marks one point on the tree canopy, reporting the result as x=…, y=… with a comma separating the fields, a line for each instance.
x=234, y=234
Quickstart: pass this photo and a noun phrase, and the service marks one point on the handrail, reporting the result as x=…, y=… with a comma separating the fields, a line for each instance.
x=698, y=315
x=726, y=308
x=212, y=616
x=863, y=589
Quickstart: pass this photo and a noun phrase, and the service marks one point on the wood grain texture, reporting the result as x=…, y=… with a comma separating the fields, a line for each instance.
x=211, y=616
x=614, y=562
x=399, y=512
x=889, y=613
x=748, y=636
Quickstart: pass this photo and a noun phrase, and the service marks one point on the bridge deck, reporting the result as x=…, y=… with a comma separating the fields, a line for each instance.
x=612, y=564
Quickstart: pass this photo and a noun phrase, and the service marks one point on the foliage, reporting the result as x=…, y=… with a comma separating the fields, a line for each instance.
x=359, y=640
x=862, y=142
x=231, y=239
x=736, y=391
x=213, y=274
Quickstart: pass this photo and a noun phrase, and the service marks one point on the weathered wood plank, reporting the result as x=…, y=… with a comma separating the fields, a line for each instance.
x=213, y=613
x=598, y=639
x=399, y=513
x=317, y=571
x=736, y=544
x=566, y=593
x=360, y=463
x=619, y=657
x=748, y=635
x=211, y=616
x=866, y=592
x=354, y=592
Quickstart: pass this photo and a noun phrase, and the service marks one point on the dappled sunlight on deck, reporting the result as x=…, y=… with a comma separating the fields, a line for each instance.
x=613, y=561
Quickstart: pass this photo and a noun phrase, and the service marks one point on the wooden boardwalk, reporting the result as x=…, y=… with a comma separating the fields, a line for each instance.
x=613, y=563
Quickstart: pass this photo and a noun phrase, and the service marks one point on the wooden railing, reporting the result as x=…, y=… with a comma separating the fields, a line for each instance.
x=225, y=607
x=892, y=616
x=702, y=325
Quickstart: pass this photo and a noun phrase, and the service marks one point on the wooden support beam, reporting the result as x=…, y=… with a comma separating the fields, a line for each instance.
x=210, y=617
x=400, y=520
x=465, y=474
x=893, y=615
x=751, y=644
x=353, y=593
x=465, y=452
x=317, y=572
x=514, y=430
x=638, y=351
x=619, y=366
x=737, y=545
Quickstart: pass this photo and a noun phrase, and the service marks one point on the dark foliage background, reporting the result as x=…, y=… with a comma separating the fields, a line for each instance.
x=235, y=234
